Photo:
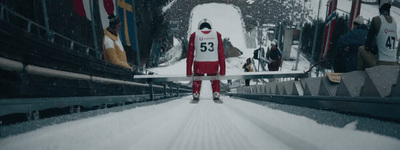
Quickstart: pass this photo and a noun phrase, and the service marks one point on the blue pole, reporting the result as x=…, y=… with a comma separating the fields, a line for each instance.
x=96, y=48
x=46, y=20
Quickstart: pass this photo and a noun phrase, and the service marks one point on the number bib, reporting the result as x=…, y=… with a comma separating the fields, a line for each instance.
x=386, y=40
x=206, y=46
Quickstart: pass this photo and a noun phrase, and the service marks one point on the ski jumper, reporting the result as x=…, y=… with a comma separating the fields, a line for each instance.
x=385, y=35
x=386, y=40
x=206, y=56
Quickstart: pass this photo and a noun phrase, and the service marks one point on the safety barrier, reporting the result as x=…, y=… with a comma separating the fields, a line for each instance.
x=350, y=84
x=72, y=43
x=33, y=105
x=374, y=92
x=380, y=81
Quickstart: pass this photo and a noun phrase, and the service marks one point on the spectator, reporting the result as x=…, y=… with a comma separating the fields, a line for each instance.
x=274, y=56
x=347, y=47
x=247, y=68
x=113, y=50
x=383, y=30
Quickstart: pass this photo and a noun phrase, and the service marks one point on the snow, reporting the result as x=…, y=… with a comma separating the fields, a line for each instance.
x=176, y=124
x=229, y=23
x=168, y=6
x=225, y=18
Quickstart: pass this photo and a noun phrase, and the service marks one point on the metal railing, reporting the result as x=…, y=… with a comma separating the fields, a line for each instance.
x=54, y=37
x=22, y=105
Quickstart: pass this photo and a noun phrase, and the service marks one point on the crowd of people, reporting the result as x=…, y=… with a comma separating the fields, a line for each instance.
x=360, y=48
x=365, y=47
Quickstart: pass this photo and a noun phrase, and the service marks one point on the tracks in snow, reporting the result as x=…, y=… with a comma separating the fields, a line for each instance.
x=177, y=124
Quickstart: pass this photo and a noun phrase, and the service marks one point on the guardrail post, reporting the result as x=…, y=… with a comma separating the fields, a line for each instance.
x=87, y=50
x=71, y=46
x=177, y=90
x=2, y=12
x=171, y=89
x=94, y=31
x=46, y=21
x=165, y=90
x=29, y=26
x=151, y=90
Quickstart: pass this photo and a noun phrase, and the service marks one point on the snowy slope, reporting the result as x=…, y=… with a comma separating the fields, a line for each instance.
x=227, y=20
x=176, y=124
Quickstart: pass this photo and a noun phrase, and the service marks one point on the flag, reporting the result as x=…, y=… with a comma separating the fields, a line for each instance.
x=127, y=17
x=107, y=7
x=82, y=8
x=329, y=26
x=355, y=11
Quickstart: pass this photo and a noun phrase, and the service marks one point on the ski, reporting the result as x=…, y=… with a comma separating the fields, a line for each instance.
x=194, y=101
x=218, y=101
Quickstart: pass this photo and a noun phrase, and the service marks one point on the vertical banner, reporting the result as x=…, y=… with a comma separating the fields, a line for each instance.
x=82, y=8
x=106, y=8
x=127, y=17
x=355, y=11
x=329, y=26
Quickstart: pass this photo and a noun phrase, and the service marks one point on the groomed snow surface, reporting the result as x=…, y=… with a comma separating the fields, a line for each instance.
x=177, y=124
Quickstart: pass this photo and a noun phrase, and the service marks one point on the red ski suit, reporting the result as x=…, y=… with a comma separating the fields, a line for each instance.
x=206, y=55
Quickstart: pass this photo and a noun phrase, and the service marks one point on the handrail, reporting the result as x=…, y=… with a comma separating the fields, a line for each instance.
x=30, y=23
x=13, y=65
x=23, y=105
x=244, y=75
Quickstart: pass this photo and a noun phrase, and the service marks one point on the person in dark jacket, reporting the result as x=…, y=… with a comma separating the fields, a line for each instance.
x=247, y=68
x=348, y=45
x=274, y=56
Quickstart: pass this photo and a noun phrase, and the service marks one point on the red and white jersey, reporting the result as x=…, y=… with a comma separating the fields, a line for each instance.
x=206, y=46
x=386, y=40
x=205, y=53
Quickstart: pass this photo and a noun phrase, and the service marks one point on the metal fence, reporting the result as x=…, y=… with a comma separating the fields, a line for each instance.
x=41, y=31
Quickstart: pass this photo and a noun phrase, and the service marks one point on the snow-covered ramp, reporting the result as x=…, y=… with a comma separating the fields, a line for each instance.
x=177, y=124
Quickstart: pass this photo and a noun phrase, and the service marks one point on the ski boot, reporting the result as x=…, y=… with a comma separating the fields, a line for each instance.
x=196, y=98
x=216, y=99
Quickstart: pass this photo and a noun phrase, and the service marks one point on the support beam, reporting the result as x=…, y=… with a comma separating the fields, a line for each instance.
x=244, y=75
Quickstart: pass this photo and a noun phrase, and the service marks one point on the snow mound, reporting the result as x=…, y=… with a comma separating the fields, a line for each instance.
x=171, y=56
x=225, y=18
